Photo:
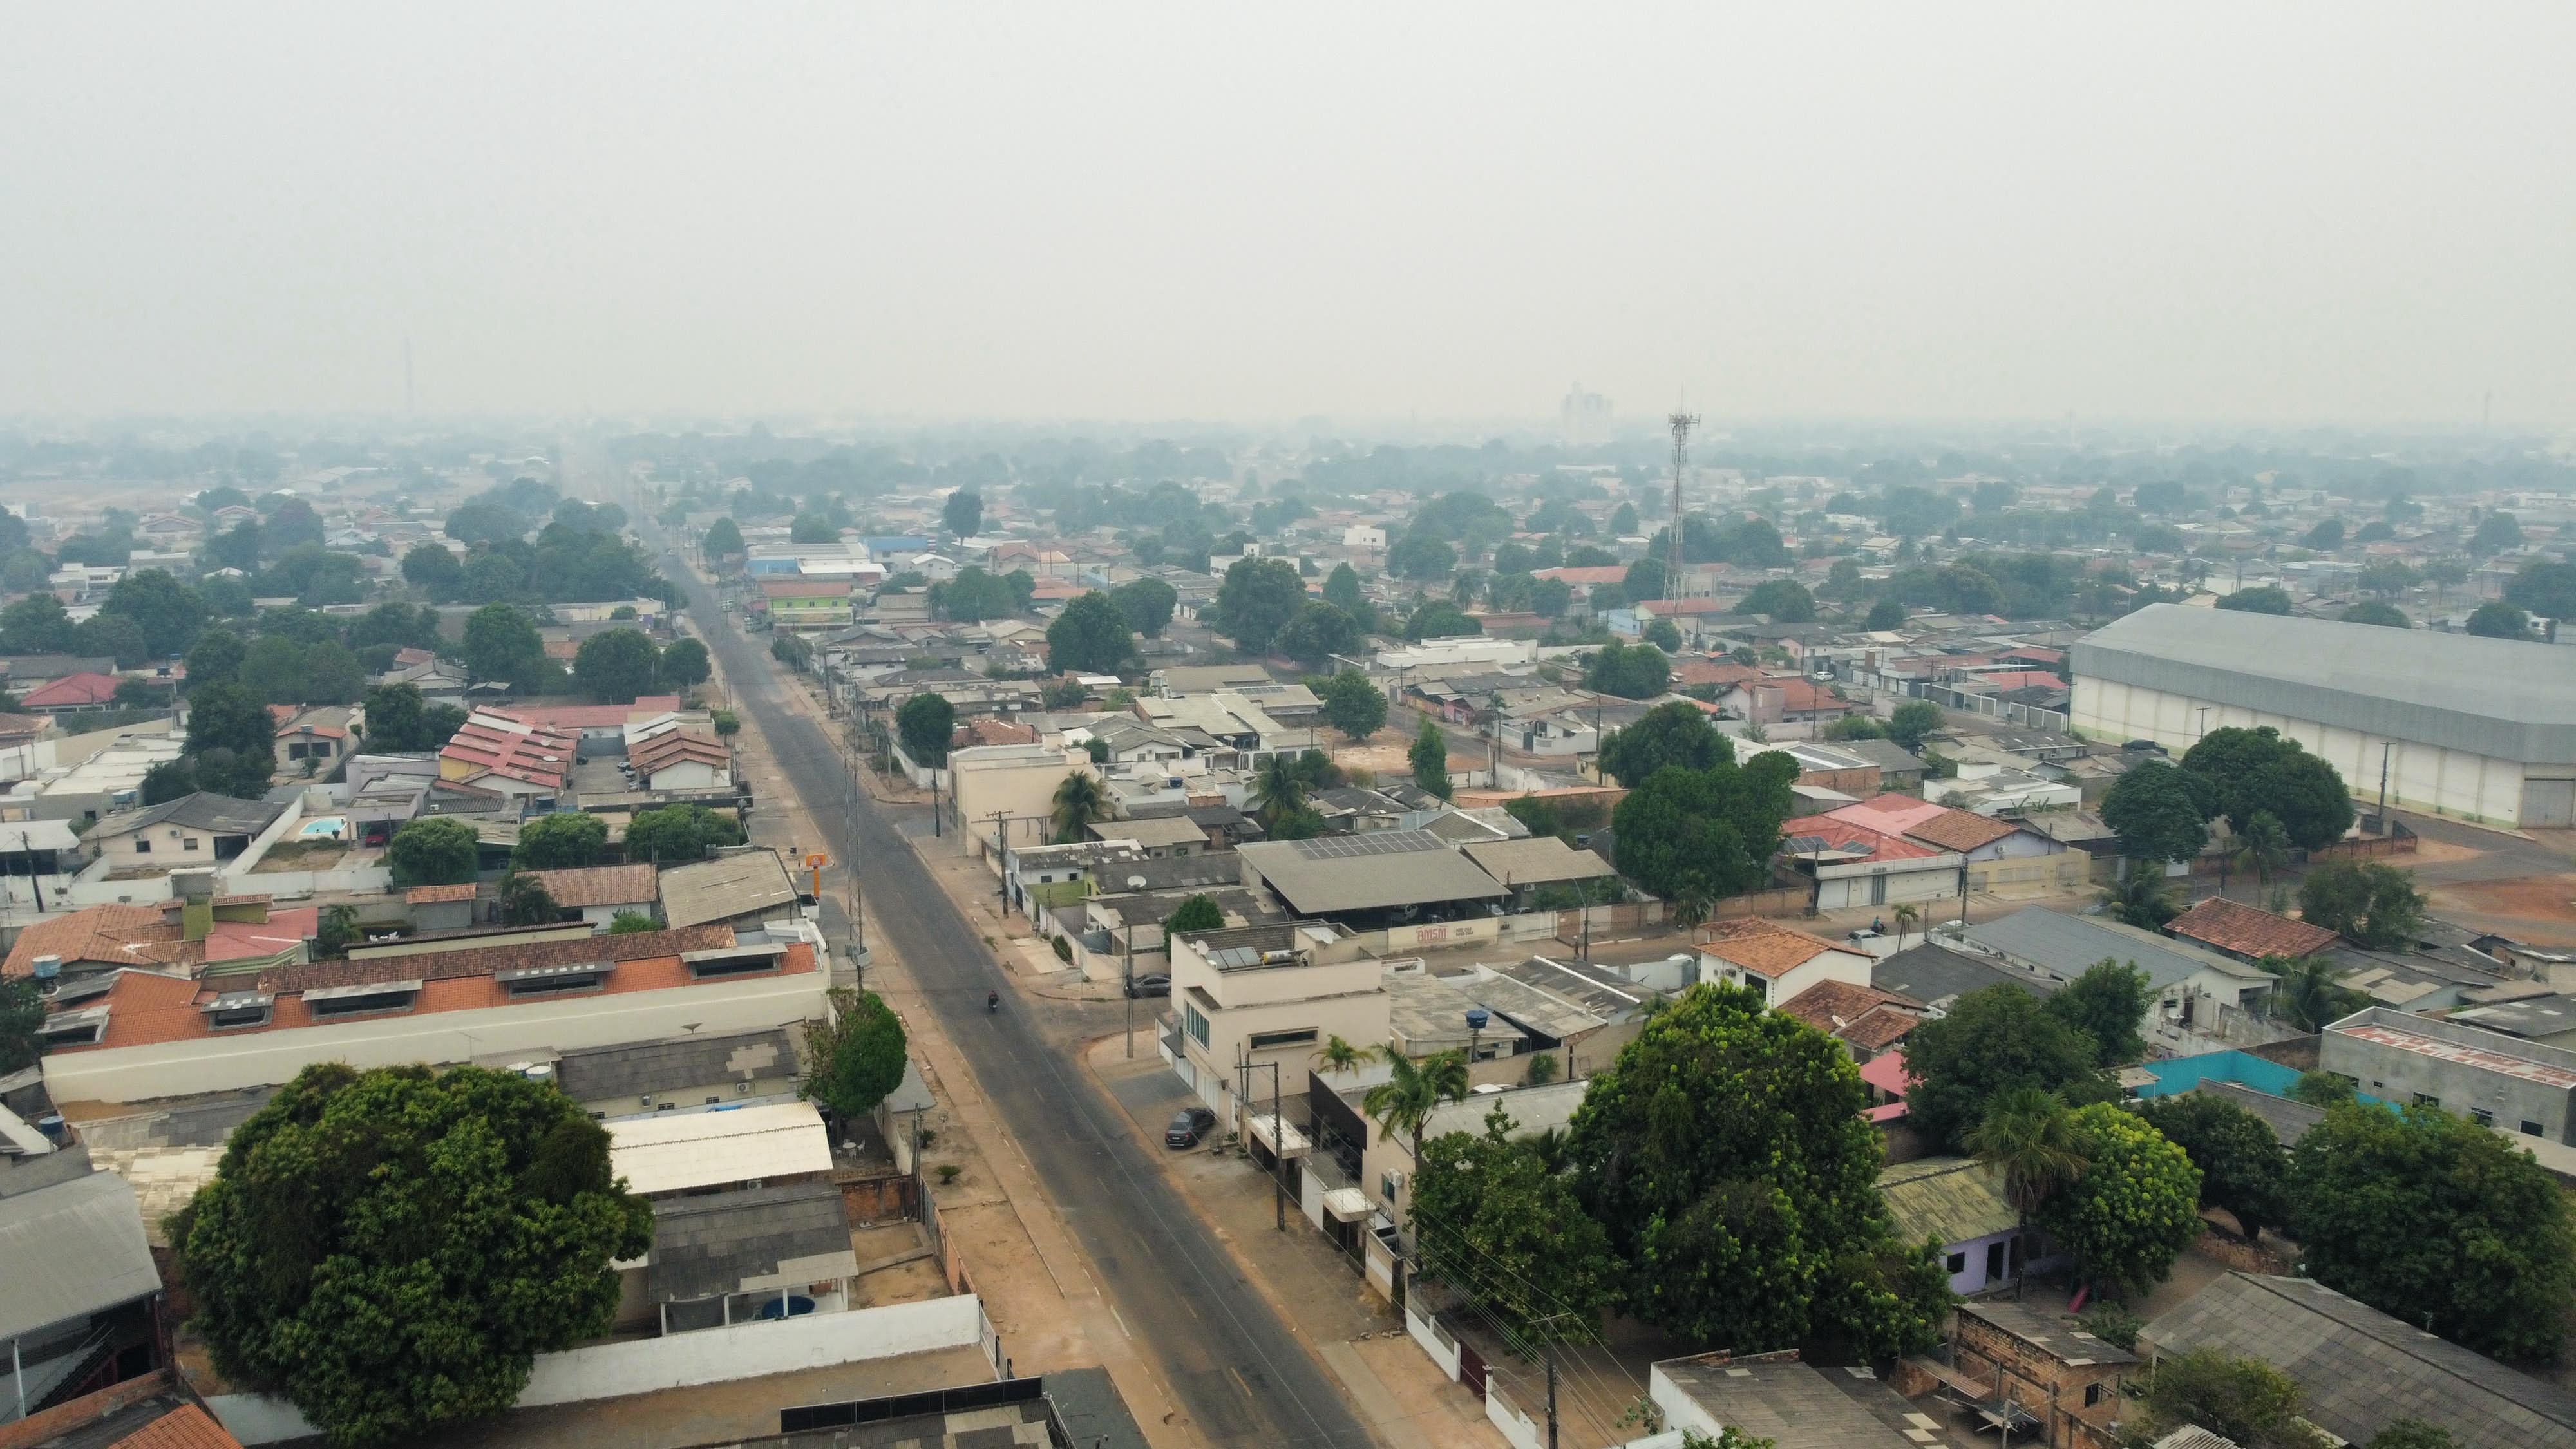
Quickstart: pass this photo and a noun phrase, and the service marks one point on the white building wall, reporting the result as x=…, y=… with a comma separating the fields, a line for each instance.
x=2422, y=777
x=265, y=1058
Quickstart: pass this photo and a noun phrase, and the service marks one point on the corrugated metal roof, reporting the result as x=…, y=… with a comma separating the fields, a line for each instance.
x=71, y=1250
x=1947, y=1199
x=726, y=1242
x=2494, y=697
x=681, y=1150
x=668, y=1066
x=725, y=888
x=2360, y=1368
x=2068, y=945
x=1375, y=870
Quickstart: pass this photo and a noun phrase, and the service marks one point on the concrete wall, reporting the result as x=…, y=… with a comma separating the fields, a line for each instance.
x=2423, y=777
x=264, y=1058
x=2396, y=1075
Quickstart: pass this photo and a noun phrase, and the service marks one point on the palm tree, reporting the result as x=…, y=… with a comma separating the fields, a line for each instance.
x=1905, y=916
x=1691, y=906
x=2263, y=847
x=1277, y=791
x=2145, y=900
x=2309, y=994
x=1337, y=1055
x=1078, y=802
x=1408, y=1097
x=2029, y=1135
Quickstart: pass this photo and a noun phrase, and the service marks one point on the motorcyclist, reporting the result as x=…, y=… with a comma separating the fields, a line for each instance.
x=992, y=1001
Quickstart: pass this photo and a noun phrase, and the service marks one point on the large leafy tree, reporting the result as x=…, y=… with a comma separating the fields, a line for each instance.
x=2160, y=812
x=2136, y=1206
x=564, y=840
x=1993, y=1041
x=856, y=1054
x=723, y=539
x=391, y=1249
x=2106, y=1002
x=1785, y=600
x=2242, y=1167
x=1630, y=671
x=36, y=624
x=2244, y=1400
x=1256, y=601
x=614, y=666
x=1199, y=913
x=926, y=721
x=1147, y=603
x=2493, y=620
x=1089, y=637
x=2265, y=600
x=1704, y=834
x=1353, y=704
x=216, y=658
x=2373, y=905
x=963, y=514
x=677, y=834
x=434, y=850
x=232, y=741
x=500, y=643
x=1421, y=557
x=434, y=570
x=1913, y=720
x=2246, y=771
x=169, y=612
x=2438, y=1222
x=2546, y=587
x=1669, y=734
x=1430, y=759
x=1726, y=1154
x=1315, y=633
x=22, y=1022
x=684, y=664
x=1497, y=1223
x=1342, y=589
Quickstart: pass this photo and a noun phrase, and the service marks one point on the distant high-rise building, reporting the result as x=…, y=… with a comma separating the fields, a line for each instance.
x=1583, y=418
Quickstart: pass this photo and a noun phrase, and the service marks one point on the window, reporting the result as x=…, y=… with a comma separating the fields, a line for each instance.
x=2427, y=1099
x=2530, y=1128
x=2092, y=1395
x=1193, y=1022
x=359, y=1005
x=737, y=966
x=239, y=1017
x=1958, y=1264
x=553, y=986
x=667, y=1107
x=1264, y=1039
x=2482, y=1116
x=1994, y=1261
x=142, y=846
x=711, y=1101
x=188, y=844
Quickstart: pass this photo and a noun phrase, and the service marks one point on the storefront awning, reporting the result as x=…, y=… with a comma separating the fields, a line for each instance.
x=1346, y=1204
x=1282, y=1139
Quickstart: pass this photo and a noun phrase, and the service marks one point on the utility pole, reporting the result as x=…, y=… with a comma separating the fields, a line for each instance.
x=1681, y=424
x=37, y=884
x=2384, y=747
x=1551, y=1394
x=1278, y=1153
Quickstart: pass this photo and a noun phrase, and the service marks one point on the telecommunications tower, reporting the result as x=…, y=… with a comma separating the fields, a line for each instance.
x=1681, y=424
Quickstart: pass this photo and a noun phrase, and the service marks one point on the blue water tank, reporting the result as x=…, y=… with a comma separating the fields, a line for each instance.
x=1477, y=1016
x=46, y=968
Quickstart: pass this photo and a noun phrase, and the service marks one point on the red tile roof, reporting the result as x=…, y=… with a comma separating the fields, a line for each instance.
x=513, y=746
x=1961, y=830
x=599, y=885
x=2245, y=931
x=672, y=747
x=1597, y=574
x=71, y=691
x=568, y=718
x=1764, y=947
x=185, y=1427
x=120, y=935
x=1865, y=1016
x=1845, y=837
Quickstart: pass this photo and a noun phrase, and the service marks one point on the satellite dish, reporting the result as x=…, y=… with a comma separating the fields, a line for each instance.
x=1135, y=882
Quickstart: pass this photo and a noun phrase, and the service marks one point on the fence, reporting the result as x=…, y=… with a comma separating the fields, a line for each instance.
x=873, y=1200
x=2181, y=1074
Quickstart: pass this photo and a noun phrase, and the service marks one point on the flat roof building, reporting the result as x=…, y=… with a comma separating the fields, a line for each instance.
x=2521, y=1086
x=2483, y=729
x=1369, y=874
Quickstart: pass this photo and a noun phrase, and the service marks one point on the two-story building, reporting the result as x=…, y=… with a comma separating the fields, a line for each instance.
x=2495, y=1080
x=1255, y=998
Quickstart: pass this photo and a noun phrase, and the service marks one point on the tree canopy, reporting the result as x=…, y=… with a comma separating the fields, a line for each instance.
x=1256, y=601
x=2244, y=1400
x=615, y=666
x=2242, y=1167
x=1993, y=1040
x=2106, y=1002
x=962, y=515
x=232, y=741
x=1677, y=733
x=2246, y=771
x=2265, y=600
x=2160, y=812
x=856, y=1053
x=563, y=840
x=677, y=834
x=2373, y=905
x=1785, y=600
x=926, y=721
x=1353, y=704
x=1315, y=633
x=1911, y=721
x=1430, y=759
x=1198, y=913
x=1147, y=602
x=1761, y=1222
x=433, y=850
x=2496, y=620
x=1496, y=1222
x=2546, y=587
x=1634, y=671
x=2135, y=1207
x=391, y=1249
x=1701, y=835
x=1090, y=636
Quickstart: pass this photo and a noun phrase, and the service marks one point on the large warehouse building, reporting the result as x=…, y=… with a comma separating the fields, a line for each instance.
x=2479, y=729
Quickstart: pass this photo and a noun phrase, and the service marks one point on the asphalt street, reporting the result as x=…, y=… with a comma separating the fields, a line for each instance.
x=1232, y=1362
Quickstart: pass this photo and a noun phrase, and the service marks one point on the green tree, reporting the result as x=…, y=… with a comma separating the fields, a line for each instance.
x=2242, y=1167
x=792, y=651
x=2411, y=1433
x=2265, y=600
x=1623, y=521
x=1256, y=601
x=435, y=571
x=1704, y=834
x=1342, y=589
x=1993, y=1041
x=1496, y=1224
x=2028, y=1135
x=1315, y=633
x=2546, y=587
x=232, y=741
x=169, y=780
x=2439, y=1222
x=1413, y=1090
x=2245, y=771
x=2160, y=812
x=1421, y=557
x=332, y=675
x=727, y=723
x=806, y=528
x=114, y=636
x=1278, y=791
x=1147, y=602
x=1884, y=615
x=677, y=834
x=615, y=666
x=962, y=515
x=525, y=901
x=1664, y=634
x=1761, y=1223
x=2145, y=898
x=273, y=668
x=216, y=658
x=1430, y=759
x=2106, y=1003
x=926, y=722
x=2321, y=1089
x=2492, y=620
x=1440, y=619
x=1353, y=704
x=856, y=1052
x=2375, y=906
x=1677, y=733
x=564, y=840
x=723, y=540
x=169, y=613
x=2243, y=1400
x=2136, y=1207
x=1912, y=721
x=1628, y=671
x=2308, y=995
x=627, y=923
x=1785, y=600
x=391, y=1249
x=500, y=643
x=2261, y=848
x=2328, y=534
x=433, y=850
x=1856, y=727
x=2495, y=533
x=684, y=664
x=2384, y=577
x=22, y=1023
x=1089, y=637
x=1198, y=913
x=1078, y=801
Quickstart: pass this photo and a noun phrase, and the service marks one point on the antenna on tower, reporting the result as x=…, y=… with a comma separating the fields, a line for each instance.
x=1681, y=424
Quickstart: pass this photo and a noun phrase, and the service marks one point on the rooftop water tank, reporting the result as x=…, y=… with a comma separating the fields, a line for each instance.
x=46, y=968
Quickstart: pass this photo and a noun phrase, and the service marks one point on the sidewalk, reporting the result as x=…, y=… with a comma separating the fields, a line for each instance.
x=1358, y=1334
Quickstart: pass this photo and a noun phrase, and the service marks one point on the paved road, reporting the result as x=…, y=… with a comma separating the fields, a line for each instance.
x=1232, y=1362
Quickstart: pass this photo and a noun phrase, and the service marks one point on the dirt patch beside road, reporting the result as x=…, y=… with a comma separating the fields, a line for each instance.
x=2540, y=909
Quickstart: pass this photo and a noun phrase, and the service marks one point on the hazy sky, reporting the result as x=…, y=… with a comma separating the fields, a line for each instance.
x=2268, y=212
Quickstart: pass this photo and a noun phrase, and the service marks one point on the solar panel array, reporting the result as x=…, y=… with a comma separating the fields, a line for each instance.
x=1371, y=842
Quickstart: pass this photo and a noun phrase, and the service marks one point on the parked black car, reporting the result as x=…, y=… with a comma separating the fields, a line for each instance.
x=1189, y=1127
x=1143, y=986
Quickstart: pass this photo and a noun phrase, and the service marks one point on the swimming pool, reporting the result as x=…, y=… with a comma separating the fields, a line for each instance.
x=332, y=827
